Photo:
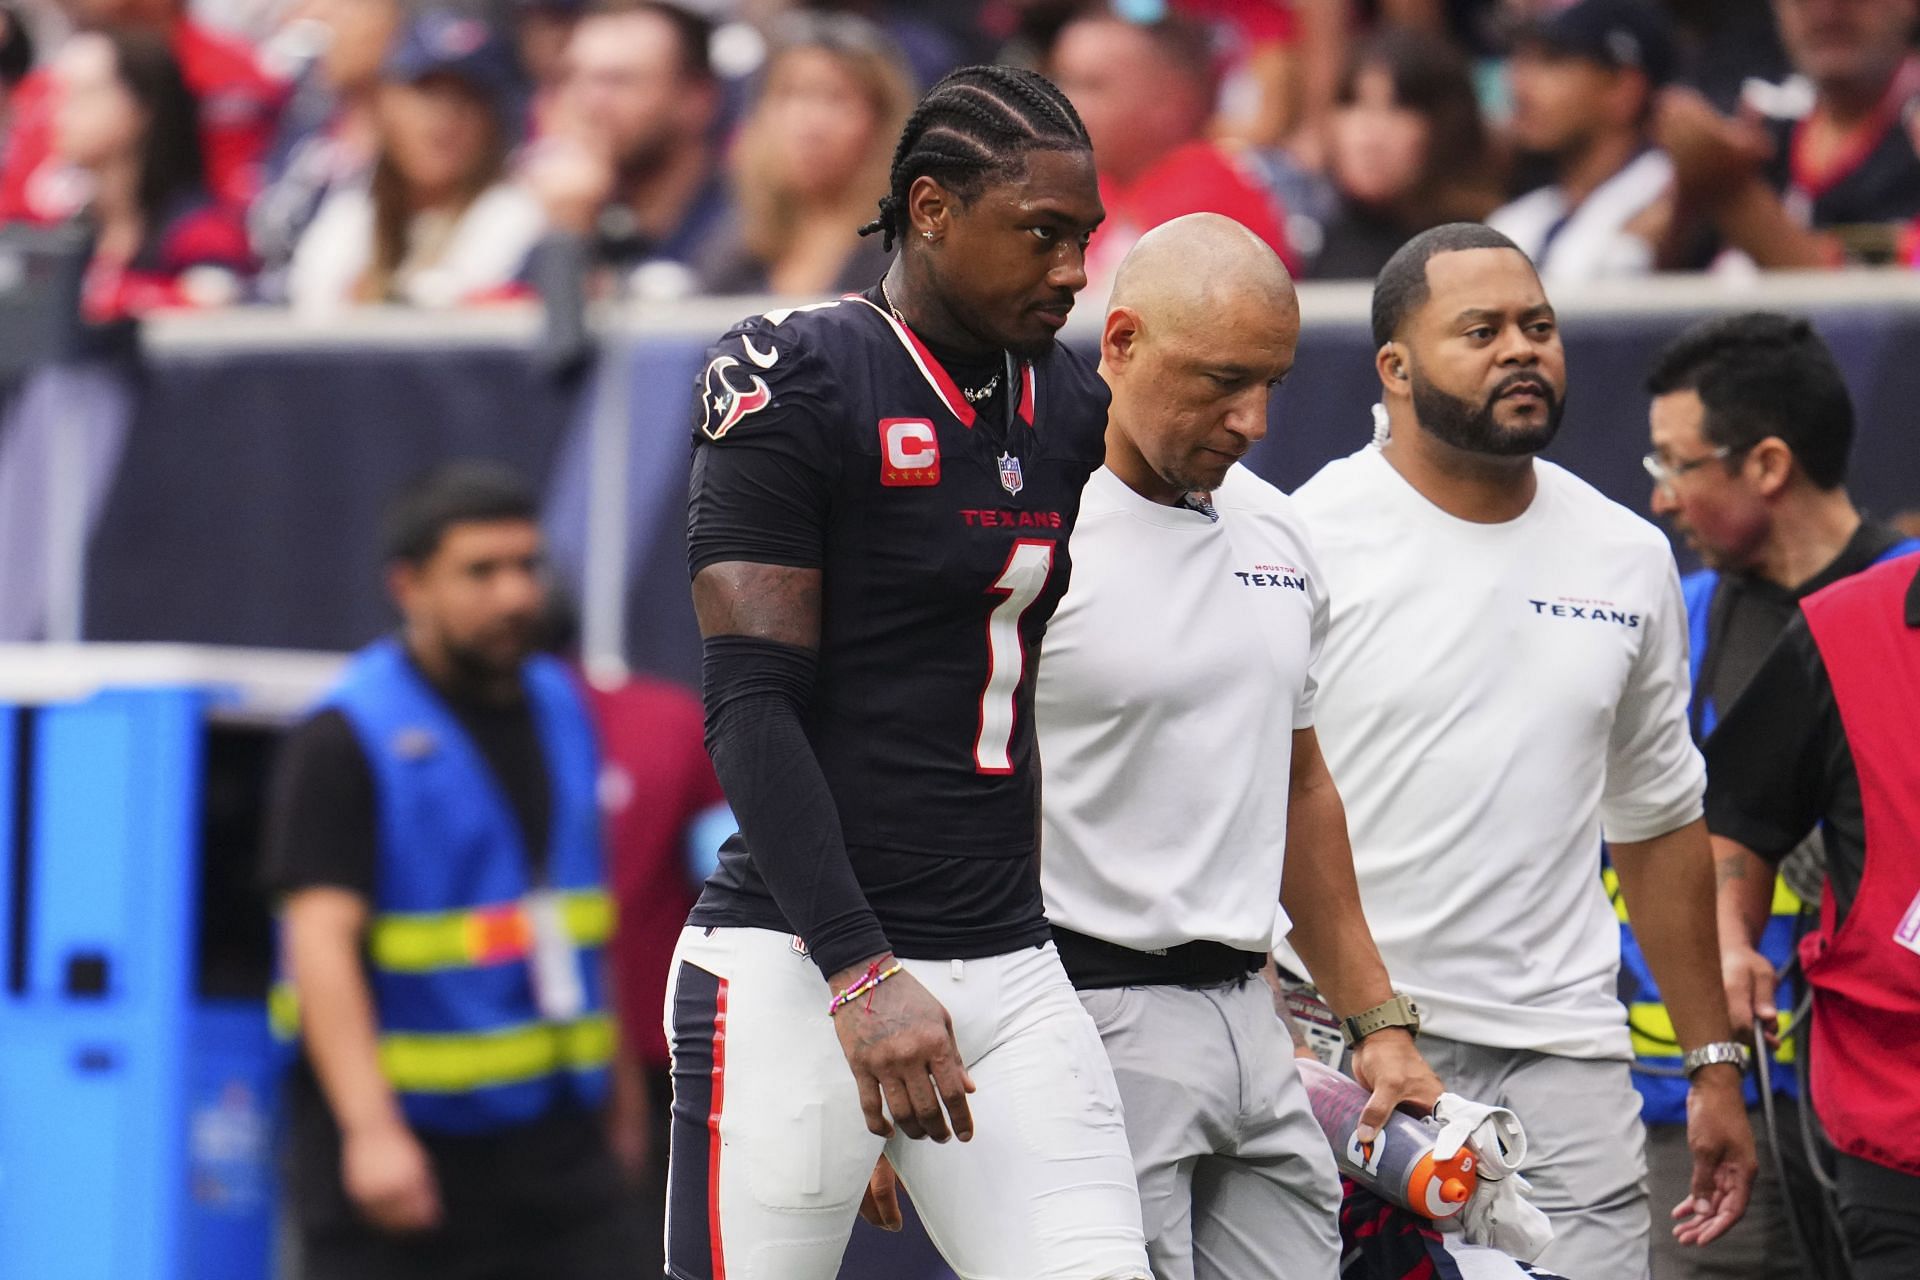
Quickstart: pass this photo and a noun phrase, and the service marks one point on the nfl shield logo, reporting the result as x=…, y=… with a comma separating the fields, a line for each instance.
x=1010, y=473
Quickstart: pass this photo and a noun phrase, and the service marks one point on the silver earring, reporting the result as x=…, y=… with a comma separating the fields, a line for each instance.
x=928, y=235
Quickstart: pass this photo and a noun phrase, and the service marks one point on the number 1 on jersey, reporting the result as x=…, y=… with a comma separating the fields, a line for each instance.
x=1023, y=579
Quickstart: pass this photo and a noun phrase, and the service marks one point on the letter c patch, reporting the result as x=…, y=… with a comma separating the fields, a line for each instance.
x=909, y=452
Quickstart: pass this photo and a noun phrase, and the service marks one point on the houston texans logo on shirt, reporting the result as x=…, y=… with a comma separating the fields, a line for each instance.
x=1273, y=575
x=1586, y=610
x=722, y=404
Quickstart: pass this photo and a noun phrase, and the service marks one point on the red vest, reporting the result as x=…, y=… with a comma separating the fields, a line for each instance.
x=1866, y=972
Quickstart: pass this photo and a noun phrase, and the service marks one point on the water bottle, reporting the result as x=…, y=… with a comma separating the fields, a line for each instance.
x=1398, y=1164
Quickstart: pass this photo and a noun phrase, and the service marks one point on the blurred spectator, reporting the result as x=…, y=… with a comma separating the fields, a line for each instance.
x=931, y=39
x=1409, y=151
x=542, y=29
x=1271, y=62
x=1583, y=84
x=1725, y=43
x=434, y=839
x=1146, y=93
x=330, y=134
x=1822, y=169
x=629, y=173
x=125, y=127
x=16, y=58
x=439, y=224
x=812, y=158
x=238, y=104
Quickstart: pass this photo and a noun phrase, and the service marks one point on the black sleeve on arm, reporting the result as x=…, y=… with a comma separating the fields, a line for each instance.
x=1767, y=758
x=320, y=812
x=756, y=691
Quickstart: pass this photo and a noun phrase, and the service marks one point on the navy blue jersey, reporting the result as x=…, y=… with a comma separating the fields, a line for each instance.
x=831, y=437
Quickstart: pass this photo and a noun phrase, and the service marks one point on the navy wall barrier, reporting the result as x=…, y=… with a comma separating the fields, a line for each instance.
x=244, y=506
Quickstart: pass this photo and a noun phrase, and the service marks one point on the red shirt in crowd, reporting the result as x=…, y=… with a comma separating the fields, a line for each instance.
x=655, y=781
x=239, y=104
x=1196, y=177
x=195, y=257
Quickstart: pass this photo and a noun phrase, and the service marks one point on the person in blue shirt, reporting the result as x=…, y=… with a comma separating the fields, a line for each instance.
x=1751, y=425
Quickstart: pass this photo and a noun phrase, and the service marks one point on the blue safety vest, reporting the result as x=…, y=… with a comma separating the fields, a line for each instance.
x=450, y=944
x=1663, y=1091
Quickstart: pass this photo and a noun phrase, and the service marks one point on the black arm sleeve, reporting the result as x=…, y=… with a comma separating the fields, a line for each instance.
x=756, y=691
x=320, y=812
x=1769, y=758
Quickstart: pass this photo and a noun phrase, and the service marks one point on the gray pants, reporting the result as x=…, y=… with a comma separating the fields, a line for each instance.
x=1236, y=1179
x=1587, y=1149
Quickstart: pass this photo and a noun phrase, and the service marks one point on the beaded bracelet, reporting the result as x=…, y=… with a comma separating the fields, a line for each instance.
x=873, y=977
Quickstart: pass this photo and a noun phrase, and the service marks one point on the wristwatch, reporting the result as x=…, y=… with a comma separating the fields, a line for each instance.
x=1400, y=1011
x=1718, y=1051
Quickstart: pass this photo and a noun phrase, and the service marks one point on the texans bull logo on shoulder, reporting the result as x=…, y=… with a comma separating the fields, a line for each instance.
x=722, y=403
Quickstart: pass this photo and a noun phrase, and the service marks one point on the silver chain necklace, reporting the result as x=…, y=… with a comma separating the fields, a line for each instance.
x=974, y=395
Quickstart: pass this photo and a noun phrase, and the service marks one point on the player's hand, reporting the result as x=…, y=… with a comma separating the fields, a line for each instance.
x=1387, y=1063
x=900, y=1045
x=1724, y=1165
x=387, y=1176
x=1751, y=981
x=881, y=1204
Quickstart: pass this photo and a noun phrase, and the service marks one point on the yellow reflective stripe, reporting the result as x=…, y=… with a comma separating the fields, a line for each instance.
x=421, y=942
x=1785, y=901
x=1652, y=1029
x=463, y=1061
x=283, y=1011
x=589, y=916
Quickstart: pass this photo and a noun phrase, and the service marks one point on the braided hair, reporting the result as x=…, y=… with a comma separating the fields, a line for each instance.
x=974, y=126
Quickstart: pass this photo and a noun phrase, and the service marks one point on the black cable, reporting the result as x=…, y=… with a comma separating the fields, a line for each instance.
x=1813, y=1266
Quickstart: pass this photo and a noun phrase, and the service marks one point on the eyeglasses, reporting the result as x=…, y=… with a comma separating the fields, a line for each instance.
x=1664, y=473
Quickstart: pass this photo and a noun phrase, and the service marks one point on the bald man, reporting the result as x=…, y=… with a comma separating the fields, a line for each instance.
x=1176, y=690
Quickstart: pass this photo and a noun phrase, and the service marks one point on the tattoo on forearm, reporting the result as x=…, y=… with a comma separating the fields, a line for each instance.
x=1728, y=869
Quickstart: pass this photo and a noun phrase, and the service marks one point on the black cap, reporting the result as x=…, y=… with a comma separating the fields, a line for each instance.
x=1614, y=33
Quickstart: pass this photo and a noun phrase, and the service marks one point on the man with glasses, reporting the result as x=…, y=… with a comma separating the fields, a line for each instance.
x=1751, y=425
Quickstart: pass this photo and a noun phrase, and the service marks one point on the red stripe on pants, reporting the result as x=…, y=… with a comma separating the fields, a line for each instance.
x=713, y=1131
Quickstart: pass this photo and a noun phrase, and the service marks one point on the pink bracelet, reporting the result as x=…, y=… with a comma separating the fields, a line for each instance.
x=873, y=977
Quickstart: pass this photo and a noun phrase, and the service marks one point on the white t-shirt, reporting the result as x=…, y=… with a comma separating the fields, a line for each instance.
x=1590, y=241
x=1493, y=698
x=453, y=258
x=1173, y=676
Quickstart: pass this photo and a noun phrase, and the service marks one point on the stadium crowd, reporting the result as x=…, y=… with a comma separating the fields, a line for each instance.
x=328, y=153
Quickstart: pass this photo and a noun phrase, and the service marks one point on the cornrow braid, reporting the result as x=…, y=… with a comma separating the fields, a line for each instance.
x=974, y=126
